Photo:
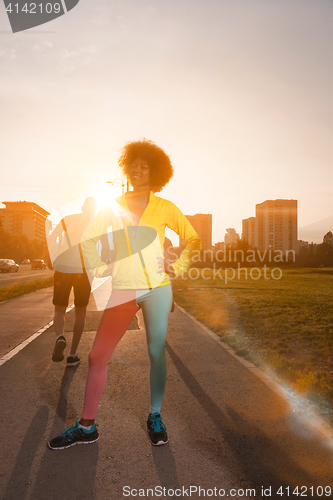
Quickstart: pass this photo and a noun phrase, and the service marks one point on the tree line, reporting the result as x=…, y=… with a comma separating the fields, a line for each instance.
x=18, y=247
x=315, y=255
x=312, y=255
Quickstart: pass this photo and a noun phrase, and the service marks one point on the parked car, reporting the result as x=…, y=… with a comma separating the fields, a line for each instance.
x=26, y=261
x=38, y=264
x=8, y=266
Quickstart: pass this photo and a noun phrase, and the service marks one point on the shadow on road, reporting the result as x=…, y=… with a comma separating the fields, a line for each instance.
x=64, y=473
x=166, y=469
x=61, y=474
x=18, y=484
x=61, y=410
x=264, y=462
x=67, y=474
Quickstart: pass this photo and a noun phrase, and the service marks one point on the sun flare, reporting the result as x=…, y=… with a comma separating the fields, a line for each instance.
x=106, y=194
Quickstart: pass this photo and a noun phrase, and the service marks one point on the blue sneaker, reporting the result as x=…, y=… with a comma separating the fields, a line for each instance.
x=74, y=435
x=156, y=429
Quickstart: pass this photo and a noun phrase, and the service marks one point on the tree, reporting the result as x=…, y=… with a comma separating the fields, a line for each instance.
x=18, y=247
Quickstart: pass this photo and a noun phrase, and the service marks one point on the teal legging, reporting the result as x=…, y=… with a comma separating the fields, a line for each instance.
x=156, y=306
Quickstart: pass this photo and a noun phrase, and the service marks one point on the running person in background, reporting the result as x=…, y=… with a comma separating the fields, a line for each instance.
x=138, y=221
x=65, y=243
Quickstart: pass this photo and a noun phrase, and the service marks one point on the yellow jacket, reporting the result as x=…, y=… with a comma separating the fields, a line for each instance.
x=137, y=248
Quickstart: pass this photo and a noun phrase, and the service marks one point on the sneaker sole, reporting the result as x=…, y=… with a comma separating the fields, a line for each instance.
x=73, y=364
x=73, y=444
x=58, y=351
x=159, y=443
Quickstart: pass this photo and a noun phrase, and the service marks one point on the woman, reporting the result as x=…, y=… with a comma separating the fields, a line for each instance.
x=138, y=220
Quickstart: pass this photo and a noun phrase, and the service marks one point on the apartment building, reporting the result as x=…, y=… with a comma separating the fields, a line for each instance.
x=277, y=225
x=274, y=226
x=250, y=231
x=24, y=217
x=202, y=223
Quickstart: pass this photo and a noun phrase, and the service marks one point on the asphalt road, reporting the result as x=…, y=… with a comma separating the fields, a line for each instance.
x=228, y=428
x=23, y=275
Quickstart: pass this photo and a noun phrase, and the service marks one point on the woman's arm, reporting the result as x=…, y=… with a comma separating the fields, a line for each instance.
x=185, y=230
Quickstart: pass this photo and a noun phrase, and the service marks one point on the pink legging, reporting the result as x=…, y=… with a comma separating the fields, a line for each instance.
x=156, y=306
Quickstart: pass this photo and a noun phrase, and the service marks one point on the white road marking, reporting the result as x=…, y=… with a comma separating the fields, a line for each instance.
x=32, y=337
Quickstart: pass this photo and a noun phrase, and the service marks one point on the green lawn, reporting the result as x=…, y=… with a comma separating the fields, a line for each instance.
x=10, y=292
x=283, y=325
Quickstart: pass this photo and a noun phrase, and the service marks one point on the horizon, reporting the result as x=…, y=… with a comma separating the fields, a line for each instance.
x=74, y=206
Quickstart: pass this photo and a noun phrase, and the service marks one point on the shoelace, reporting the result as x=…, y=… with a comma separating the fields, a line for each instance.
x=157, y=423
x=69, y=430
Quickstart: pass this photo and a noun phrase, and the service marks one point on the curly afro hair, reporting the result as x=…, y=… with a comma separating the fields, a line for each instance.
x=159, y=163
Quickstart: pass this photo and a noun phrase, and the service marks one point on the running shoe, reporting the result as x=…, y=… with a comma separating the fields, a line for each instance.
x=58, y=349
x=74, y=435
x=156, y=429
x=73, y=360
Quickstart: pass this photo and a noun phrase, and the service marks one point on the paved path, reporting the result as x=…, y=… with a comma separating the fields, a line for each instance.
x=22, y=316
x=227, y=429
x=24, y=275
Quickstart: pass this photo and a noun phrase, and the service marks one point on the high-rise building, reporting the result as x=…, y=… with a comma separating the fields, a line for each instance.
x=277, y=225
x=250, y=231
x=202, y=224
x=231, y=237
x=24, y=217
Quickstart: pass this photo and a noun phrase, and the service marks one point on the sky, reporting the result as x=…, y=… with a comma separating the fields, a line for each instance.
x=237, y=92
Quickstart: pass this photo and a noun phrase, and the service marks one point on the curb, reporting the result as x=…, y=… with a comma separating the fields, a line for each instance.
x=315, y=422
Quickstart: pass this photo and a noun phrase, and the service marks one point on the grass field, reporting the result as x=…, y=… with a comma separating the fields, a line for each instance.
x=10, y=292
x=283, y=325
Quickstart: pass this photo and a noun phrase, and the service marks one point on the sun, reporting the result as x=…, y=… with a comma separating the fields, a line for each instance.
x=106, y=194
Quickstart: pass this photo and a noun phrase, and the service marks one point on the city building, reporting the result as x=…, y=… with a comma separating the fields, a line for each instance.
x=231, y=237
x=24, y=217
x=277, y=225
x=202, y=224
x=274, y=226
x=250, y=231
x=328, y=238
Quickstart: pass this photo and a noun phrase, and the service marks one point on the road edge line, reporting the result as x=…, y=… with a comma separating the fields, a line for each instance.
x=27, y=341
x=23, y=344
x=41, y=330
